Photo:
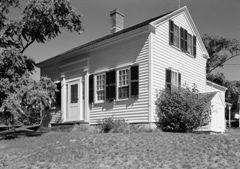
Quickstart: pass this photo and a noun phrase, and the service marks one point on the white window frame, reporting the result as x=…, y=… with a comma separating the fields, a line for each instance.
x=118, y=83
x=190, y=44
x=96, y=90
x=174, y=78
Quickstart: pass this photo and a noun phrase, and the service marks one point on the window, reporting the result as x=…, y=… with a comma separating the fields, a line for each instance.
x=180, y=38
x=114, y=84
x=123, y=83
x=100, y=87
x=74, y=93
x=176, y=36
x=173, y=34
x=189, y=44
x=173, y=79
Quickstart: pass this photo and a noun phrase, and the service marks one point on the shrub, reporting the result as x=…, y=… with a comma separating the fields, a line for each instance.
x=182, y=110
x=110, y=124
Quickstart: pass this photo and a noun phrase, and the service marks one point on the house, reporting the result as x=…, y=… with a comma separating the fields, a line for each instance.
x=120, y=74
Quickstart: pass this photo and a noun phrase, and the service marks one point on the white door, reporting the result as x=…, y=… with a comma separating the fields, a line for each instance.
x=74, y=101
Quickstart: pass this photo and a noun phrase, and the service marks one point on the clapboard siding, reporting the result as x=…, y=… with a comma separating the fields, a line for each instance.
x=131, y=51
x=165, y=56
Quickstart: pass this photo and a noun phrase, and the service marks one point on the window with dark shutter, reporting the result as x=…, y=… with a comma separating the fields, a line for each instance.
x=194, y=46
x=171, y=32
x=111, y=85
x=134, y=81
x=91, y=89
x=168, y=80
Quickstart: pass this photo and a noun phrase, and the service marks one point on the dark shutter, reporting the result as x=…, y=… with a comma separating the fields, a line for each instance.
x=171, y=31
x=179, y=80
x=185, y=40
x=58, y=94
x=91, y=89
x=194, y=46
x=111, y=85
x=182, y=39
x=168, y=80
x=134, y=80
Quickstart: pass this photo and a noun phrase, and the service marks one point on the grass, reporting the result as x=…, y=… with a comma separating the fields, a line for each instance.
x=71, y=150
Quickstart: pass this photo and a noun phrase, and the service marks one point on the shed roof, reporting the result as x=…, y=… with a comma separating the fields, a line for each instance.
x=208, y=96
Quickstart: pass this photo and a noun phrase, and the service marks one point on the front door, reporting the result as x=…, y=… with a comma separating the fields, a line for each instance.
x=74, y=101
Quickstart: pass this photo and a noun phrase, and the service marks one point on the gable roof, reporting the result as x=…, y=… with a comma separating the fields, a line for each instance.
x=152, y=22
x=155, y=24
x=109, y=36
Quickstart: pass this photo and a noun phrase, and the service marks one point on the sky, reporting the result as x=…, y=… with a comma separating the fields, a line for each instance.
x=212, y=17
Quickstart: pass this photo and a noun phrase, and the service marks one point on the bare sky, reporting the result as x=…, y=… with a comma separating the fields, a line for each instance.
x=213, y=17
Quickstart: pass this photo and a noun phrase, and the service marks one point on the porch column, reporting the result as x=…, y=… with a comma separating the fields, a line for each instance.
x=86, y=96
x=63, y=98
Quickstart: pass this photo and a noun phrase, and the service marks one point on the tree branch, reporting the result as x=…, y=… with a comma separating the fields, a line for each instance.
x=210, y=70
x=27, y=45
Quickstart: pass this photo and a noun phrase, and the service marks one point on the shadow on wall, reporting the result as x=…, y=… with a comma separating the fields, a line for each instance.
x=110, y=105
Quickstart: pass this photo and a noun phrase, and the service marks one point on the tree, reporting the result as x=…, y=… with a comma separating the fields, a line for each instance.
x=40, y=21
x=218, y=78
x=220, y=51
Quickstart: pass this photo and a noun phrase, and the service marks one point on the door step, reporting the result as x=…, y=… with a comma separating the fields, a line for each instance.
x=67, y=126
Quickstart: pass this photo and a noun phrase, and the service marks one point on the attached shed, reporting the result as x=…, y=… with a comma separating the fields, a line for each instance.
x=216, y=96
x=217, y=120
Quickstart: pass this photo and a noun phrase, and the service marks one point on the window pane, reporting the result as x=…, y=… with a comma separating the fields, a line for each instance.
x=123, y=92
x=74, y=93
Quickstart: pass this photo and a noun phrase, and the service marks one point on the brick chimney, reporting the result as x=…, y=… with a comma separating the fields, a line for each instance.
x=117, y=21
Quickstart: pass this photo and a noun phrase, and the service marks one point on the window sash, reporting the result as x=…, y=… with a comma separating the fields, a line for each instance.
x=189, y=44
x=175, y=35
x=100, y=82
x=100, y=87
x=174, y=78
x=123, y=77
x=123, y=83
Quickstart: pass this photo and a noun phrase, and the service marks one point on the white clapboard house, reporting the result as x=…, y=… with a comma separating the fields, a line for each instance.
x=120, y=74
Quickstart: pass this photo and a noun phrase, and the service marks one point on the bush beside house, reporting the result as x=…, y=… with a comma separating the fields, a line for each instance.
x=182, y=110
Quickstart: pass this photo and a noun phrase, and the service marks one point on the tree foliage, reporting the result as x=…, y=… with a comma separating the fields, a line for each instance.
x=39, y=22
x=220, y=51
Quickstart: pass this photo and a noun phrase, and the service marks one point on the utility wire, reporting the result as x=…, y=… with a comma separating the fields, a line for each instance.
x=233, y=64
